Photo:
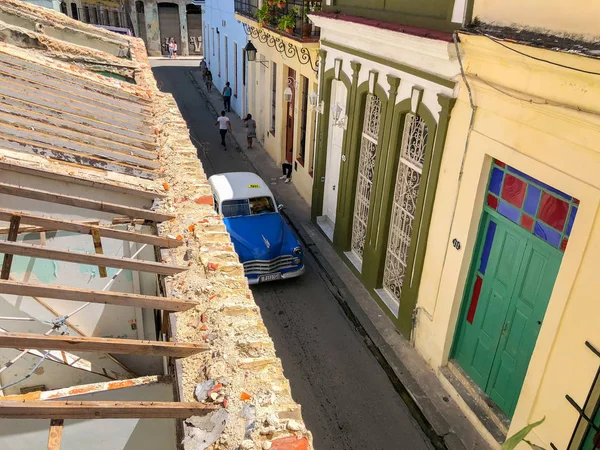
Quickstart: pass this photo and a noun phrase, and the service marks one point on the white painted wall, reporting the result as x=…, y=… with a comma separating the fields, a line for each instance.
x=105, y=434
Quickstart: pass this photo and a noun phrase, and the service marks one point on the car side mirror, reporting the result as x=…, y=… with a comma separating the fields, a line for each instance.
x=280, y=207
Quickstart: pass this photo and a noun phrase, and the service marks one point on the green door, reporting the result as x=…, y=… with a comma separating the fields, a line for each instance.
x=504, y=308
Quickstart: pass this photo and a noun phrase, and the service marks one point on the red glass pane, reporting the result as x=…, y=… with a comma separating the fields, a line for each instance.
x=526, y=222
x=553, y=211
x=474, y=299
x=563, y=244
x=575, y=201
x=513, y=190
x=492, y=201
x=499, y=163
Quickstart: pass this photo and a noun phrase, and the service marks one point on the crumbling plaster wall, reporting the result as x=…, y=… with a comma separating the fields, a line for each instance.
x=242, y=365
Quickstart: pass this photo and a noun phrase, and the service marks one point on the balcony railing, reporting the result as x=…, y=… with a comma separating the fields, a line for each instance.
x=107, y=17
x=285, y=17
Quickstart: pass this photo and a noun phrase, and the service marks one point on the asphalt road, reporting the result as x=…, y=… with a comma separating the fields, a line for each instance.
x=347, y=400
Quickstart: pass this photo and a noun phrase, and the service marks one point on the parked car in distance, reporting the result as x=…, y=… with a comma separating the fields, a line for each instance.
x=264, y=242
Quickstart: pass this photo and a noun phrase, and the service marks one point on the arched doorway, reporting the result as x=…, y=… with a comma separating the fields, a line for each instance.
x=170, y=27
x=74, y=11
x=63, y=8
x=194, y=20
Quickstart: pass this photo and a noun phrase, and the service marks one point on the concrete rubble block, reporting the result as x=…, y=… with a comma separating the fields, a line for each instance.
x=202, y=432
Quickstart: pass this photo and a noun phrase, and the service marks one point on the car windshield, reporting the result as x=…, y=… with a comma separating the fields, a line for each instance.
x=247, y=207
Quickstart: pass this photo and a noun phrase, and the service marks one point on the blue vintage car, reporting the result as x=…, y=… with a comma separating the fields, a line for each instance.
x=266, y=245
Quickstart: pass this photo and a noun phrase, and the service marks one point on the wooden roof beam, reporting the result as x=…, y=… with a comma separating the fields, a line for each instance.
x=103, y=345
x=79, y=202
x=39, y=251
x=49, y=223
x=88, y=295
x=102, y=410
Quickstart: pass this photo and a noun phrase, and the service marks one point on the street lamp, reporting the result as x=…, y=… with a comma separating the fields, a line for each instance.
x=250, y=50
x=288, y=94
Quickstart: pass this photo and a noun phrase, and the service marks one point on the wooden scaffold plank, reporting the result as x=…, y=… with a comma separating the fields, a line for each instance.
x=93, y=296
x=55, y=433
x=38, y=251
x=102, y=410
x=104, y=345
x=49, y=223
x=79, y=202
x=13, y=232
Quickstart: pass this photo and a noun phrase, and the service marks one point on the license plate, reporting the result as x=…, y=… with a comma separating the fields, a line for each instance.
x=270, y=277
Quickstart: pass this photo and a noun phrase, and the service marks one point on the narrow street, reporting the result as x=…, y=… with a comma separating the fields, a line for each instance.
x=347, y=399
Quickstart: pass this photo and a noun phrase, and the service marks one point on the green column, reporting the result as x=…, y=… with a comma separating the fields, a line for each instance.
x=383, y=191
x=343, y=223
x=321, y=149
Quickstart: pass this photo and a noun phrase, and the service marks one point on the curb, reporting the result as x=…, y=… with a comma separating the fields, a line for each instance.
x=339, y=291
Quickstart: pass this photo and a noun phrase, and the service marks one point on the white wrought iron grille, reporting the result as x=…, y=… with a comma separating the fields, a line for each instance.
x=410, y=168
x=366, y=171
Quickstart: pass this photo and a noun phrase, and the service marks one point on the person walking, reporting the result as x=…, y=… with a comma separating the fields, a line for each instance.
x=174, y=48
x=287, y=171
x=227, y=97
x=203, y=69
x=250, y=125
x=171, y=48
x=209, y=80
x=224, y=125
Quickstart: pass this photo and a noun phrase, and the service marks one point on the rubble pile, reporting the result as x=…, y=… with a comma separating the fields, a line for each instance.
x=241, y=372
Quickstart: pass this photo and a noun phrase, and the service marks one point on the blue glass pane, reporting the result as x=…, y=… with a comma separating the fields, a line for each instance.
x=547, y=233
x=509, y=211
x=532, y=200
x=571, y=220
x=539, y=183
x=496, y=181
x=487, y=247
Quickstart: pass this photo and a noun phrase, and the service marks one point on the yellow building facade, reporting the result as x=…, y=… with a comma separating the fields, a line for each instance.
x=281, y=82
x=532, y=113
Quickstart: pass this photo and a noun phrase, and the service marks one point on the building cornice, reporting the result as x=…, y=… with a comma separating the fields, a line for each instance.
x=422, y=54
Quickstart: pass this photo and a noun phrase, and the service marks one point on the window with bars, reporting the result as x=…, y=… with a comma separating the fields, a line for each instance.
x=366, y=172
x=406, y=192
x=587, y=431
x=273, y=96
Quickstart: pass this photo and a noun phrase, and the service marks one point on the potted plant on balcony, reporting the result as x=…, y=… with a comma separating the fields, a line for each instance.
x=287, y=22
x=281, y=4
x=262, y=14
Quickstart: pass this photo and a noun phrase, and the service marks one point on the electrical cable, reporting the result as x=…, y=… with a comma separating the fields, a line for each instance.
x=42, y=359
x=491, y=38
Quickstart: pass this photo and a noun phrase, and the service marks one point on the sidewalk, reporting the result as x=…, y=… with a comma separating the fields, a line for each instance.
x=412, y=378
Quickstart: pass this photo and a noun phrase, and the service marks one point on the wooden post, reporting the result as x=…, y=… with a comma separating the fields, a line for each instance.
x=55, y=435
x=98, y=247
x=13, y=232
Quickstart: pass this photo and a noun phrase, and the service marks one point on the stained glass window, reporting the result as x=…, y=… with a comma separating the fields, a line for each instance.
x=536, y=206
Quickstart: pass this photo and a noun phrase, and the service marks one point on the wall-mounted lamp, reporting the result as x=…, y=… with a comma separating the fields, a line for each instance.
x=338, y=119
x=288, y=94
x=251, y=54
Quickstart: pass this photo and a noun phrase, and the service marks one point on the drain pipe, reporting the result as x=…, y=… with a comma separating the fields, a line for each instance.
x=459, y=181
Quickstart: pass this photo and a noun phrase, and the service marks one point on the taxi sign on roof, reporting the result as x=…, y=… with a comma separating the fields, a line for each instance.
x=253, y=186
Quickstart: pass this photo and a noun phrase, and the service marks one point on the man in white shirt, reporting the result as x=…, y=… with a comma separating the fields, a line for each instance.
x=224, y=125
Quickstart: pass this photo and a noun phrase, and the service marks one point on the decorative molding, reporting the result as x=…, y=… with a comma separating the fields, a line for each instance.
x=415, y=99
x=373, y=76
x=289, y=50
x=394, y=82
x=337, y=64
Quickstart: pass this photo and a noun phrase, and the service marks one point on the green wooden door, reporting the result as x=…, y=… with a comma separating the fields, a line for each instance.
x=499, y=325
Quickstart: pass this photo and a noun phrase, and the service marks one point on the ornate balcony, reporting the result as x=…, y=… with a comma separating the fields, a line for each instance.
x=288, y=17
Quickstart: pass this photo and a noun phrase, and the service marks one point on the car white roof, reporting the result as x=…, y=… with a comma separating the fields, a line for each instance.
x=238, y=185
